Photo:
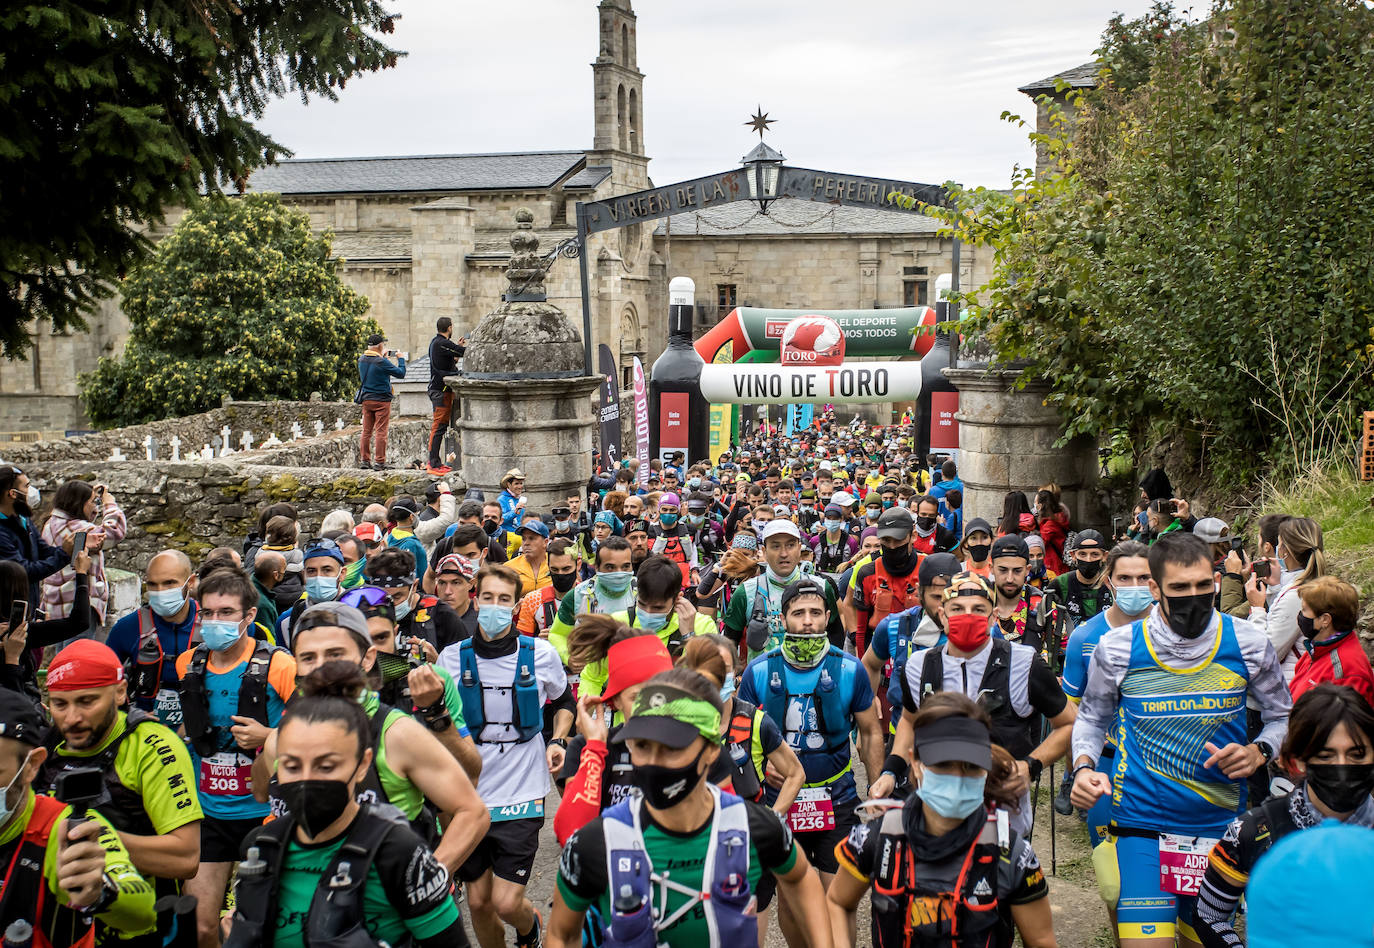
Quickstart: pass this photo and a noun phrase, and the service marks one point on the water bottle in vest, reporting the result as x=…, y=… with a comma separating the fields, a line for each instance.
x=146, y=674
x=19, y=934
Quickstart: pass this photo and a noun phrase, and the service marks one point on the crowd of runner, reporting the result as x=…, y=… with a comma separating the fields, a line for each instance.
x=750, y=693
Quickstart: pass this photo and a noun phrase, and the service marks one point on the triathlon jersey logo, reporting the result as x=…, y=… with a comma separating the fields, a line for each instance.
x=812, y=340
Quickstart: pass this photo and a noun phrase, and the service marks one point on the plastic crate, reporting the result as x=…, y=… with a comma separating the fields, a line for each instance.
x=1367, y=448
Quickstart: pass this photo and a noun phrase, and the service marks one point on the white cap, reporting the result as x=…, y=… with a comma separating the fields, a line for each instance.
x=780, y=528
x=842, y=497
x=825, y=466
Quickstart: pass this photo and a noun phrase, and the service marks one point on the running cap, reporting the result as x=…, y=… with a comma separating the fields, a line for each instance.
x=1307, y=869
x=634, y=661
x=954, y=739
x=1208, y=530
x=368, y=532
x=937, y=566
x=806, y=586
x=672, y=717
x=977, y=525
x=456, y=563
x=534, y=525
x=780, y=528
x=1010, y=547
x=968, y=584
x=19, y=720
x=844, y=498
x=895, y=524
x=84, y=664
x=345, y=617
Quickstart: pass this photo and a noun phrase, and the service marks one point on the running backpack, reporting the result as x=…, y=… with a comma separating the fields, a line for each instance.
x=526, y=701
x=205, y=738
x=831, y=697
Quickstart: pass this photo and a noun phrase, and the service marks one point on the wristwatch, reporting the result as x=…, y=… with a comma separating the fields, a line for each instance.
x=1035, y=766
x=1265, y=750
x=436, y=717
x=560, y=741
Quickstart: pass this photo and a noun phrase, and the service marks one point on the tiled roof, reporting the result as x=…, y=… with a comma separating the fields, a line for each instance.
x=1079, y=77
x=794, y=217
x=513, y=171
x=359, y=246
x=588, y=177
x=493, y=242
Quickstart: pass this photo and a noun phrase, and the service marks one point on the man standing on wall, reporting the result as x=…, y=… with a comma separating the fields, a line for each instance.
x=444, y=354
x=375, y=372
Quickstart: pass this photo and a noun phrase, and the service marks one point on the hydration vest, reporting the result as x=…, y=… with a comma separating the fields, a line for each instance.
x=728, y=902
x=422, y=621
x=526, y=700
x=24, y=891
x=892, y=593
x=901, y=635
x=125, y=809
x=336, y=916
x=745, y=748
x=206, y=738
x=144, y=667
x=833, y=692
x=371, y=788
x=675, y=547
x=1018, y=735
x=970, y=916
x=829, y=556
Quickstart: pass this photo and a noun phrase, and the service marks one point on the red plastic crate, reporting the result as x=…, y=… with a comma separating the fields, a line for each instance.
x=1367, y=448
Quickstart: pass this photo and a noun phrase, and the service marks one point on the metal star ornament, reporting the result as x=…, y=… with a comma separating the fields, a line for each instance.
x=760, y=121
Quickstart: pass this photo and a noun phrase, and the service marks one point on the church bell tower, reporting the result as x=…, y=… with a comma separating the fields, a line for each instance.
x=618, y=137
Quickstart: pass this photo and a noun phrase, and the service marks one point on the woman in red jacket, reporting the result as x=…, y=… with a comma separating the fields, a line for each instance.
x=1331, y=648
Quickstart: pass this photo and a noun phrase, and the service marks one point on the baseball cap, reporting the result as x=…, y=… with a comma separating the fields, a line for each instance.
x=1311, y=868
x=84, y=664
x=781, y=510
x=323, y=547
x=634, y=661
x=954, y=739
x=406, y=506
x=1010, y=546
x=670, y=499
x=967, y=584
x=456, y=563
x=895, y=524
x=843, y=497
x=534, y=525
x=833, y=510
x=376, y=339
x=19, y=720
x=672, y=717
x=976, y=525
x=1208, y=530
x=806, y=586
x=780, y=528
x=368, y=532
x=937, y=566
x=345, y=616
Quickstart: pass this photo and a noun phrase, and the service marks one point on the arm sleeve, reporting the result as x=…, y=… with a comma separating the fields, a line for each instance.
x=1223, y=884
x=708, y=580
x=581, y=801
x=858, y=852
x=131, y=912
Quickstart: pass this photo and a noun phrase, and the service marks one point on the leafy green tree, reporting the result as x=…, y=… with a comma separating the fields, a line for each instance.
x=1199, y=265
x=111, y=111
x=241, y=299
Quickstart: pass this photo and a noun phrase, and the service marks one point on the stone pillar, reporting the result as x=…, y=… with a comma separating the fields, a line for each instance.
x=524, y=400
x=442, y=236
x=1007, y=441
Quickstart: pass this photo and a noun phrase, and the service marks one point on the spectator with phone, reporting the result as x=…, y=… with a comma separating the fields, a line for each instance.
x=19, y=539
x=23, y=634
x=375, y=372
x=444, y=354
x=79, y=508
x=1299, y=546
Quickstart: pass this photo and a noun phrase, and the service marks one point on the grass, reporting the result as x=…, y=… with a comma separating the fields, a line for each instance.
x=1334, y=496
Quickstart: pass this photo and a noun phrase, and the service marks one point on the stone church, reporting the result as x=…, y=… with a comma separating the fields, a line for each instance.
x=428, y=236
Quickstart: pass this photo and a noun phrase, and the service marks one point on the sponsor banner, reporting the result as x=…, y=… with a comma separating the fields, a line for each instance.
x=944, y=428
x=864, y=332
x=610, y=410
x=672, y=423
x=853, y=383
x=641, y=421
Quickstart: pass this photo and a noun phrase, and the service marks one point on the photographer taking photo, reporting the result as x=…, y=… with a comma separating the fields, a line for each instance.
x=375, y=372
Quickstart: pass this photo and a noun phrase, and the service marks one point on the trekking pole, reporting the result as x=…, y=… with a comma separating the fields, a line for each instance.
x=1054, y=856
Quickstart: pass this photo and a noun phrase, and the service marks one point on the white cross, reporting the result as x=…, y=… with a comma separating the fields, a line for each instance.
x=150, y=447
x=246, y=441
x=319, y=427
x=176, y=448
x=295, y=431
x=224, y=440
x=117, y=455
x=338, y=424
x=206, y=453
x=272, y=441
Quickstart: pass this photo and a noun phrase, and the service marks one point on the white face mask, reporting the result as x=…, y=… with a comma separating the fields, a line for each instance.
x=6, y=809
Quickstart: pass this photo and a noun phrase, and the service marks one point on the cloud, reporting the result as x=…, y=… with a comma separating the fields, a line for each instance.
x=885, y=87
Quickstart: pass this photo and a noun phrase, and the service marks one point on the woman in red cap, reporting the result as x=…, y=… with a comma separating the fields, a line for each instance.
x=597, y=766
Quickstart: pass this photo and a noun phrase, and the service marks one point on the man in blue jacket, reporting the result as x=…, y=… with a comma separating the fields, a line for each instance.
x=19, y=540
x=375, y=372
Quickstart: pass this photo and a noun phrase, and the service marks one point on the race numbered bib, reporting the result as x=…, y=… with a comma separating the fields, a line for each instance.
x=226, y=774
x=813, y=811
x=1183, y=862
x=529, y=810
x=167, y=707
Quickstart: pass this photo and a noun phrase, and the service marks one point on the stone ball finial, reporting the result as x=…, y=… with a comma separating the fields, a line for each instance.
x=525, y=272
x=524, y=218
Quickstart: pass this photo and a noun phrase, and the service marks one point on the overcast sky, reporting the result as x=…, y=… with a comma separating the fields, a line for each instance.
x=909, y=89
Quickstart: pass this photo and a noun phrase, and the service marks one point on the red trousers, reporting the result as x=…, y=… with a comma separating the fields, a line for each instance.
x=376, y=421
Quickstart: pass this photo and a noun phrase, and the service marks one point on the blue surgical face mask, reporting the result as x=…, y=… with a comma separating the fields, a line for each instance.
x=167, y=602
x=322, y=588
x=696, y=520
x=834, y=525
x=403, y=609
x=952, y=796
x=668, y=519
x=219, y=634
x=727, y=689
x=652, y=621
x=614, y=584
x=561, y=525
x=494, y=620
x=1133, y=600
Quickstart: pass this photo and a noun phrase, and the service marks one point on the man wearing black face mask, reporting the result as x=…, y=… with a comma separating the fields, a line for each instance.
x=929, y=536
x=977, y=547
x=1081, y=592
x=1174, y=687
x=537, y=610
x=891, y=582
x=19, y=540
